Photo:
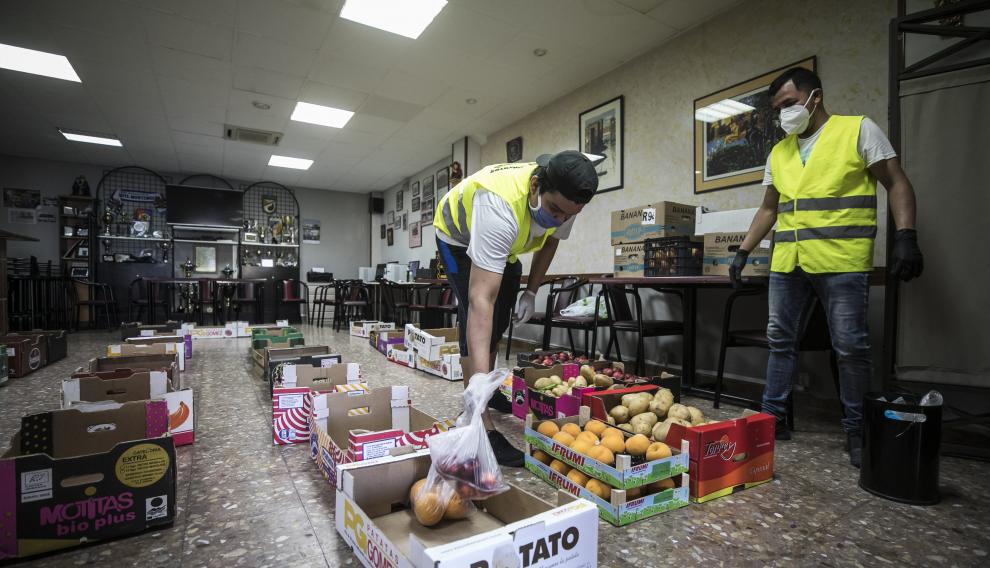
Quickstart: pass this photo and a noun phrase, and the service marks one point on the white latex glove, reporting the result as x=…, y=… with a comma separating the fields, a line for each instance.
x=525, y=307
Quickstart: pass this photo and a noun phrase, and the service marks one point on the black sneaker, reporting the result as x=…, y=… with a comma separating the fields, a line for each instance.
x=505, y=453
x=854, y=444
x=781, y=432
x=500, y=403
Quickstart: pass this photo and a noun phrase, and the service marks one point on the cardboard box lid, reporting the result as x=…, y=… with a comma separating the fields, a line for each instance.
x=154, y=339
x=280, y=353
x=379, y=404
x=140, y=385
x=319, y=377
x=142, y=362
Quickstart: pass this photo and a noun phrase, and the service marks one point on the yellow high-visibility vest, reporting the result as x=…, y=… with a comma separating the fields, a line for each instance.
x=827, y=214
x=508, y=181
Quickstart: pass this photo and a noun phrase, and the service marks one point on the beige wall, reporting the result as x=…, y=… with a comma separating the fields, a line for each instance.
x=849, y=38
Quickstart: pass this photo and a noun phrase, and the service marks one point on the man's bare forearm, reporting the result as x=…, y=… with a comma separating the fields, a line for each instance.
x=541, y=263
x=762, y=222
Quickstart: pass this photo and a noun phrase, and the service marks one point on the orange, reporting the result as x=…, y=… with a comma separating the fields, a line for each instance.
x=602, y=454
x=577, y=477
x=582, y=447
x=547, y=428
x=599, y=488
x=560, y=467
x=596, y=427
x=587, y=437
x=571, y=428
x=658, y=451
x=614, y=443
x=636, y=445
x=563, y=438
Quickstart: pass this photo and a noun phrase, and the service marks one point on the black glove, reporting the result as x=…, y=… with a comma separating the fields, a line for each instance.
x=736, y=268
x=908, y=262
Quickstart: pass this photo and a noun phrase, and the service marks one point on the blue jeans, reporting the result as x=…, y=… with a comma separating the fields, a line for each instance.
x=844, y=297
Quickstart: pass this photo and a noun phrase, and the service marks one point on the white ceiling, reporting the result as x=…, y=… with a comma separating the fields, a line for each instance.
x=165, y=75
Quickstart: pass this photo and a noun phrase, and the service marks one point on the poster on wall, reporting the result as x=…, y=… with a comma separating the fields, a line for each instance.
x=513, y=151
x=405, y=221
x=600, y=132
x=206, y=259
x=428, y=187
x=311, y=231
x=390, y=236
x=398, y=200
x=22, y=216
x=415, y=236
x=414, y=204
x=382, y=231
x=442, y=180
x=21, y=198
x=390, y=218
x=734, y=130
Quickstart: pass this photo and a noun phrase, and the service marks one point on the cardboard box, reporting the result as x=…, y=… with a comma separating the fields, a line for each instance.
x=186, y=340
x=135, y=329
x=69, y=479
x=625, y=474
x=55, y=340
x=262, y=356
x=363, y=328
x=431, y=344
x=128, y=386
x=273, y=331
x=629, y=260
x=619, y=509
x=732, y=221
x=292, y=401
x=661, y=219
x=728, y=456
x=313, y=355
x=385, y=414
x=291, y=339
x=720, y=249
x=130, y=350
x=402, y=355
x=447, y=367
x=533, y=358
x=526, y=399
x=385, y=338
x=600, y=402
x=25, y=353
x=514, y=528
x=167, y=363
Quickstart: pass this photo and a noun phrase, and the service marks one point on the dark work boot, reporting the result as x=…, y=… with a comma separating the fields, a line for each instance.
x=854, y=445
x=505, y=453
x=500, y=403
x=781, y=432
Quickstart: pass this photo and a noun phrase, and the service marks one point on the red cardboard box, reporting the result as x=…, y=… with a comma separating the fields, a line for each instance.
x=292, y=401
x=727, y=456
x=124, y=478
x=25, y=353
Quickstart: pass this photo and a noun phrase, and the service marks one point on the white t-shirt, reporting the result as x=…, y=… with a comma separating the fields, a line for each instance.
x=873, y=146
x=494, y=229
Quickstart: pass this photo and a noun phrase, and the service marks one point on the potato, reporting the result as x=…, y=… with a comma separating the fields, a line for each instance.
x=611, y=420
x=587, y=372
x=646, y=418
x=620, y=413
x=639, y=405
x=660, y=430
x=641, y=428
x=659, y=408
x=627, y=398
x=696, y=415
x=679, y=411
x=602, y=381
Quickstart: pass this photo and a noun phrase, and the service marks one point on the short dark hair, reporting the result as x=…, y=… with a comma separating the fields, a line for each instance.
x=805, y=80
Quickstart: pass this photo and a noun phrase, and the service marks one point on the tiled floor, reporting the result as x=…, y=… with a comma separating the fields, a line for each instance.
x=243, y=502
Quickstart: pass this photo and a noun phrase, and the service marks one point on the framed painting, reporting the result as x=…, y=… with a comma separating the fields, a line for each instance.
x=441, y=179
x=734, y=131
x=514, y=149
x=415, y=235
x=382, y=231
x=600, y=132
x=415, y=188
x=390, y=218
x=414, y=204
x=398, y=200
x=390, y=236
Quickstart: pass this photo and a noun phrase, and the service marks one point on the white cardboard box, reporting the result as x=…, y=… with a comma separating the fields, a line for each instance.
x=734, y=221
x=446, y=367
x=364, y=328
x=514, y=528
x=431, y=344
x=130, y=349
x=402, y=355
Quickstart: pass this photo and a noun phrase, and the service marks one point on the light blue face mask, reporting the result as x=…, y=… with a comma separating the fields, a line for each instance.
x=541, y=216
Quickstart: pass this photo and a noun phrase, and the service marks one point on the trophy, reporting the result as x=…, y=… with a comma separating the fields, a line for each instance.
x=262, y=233
x=227, y=272
x=165, y=246
x=107, y=221
x=188, y=267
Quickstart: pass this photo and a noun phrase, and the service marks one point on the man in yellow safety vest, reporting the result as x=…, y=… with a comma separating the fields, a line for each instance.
x=482, y=225
x=821, y=182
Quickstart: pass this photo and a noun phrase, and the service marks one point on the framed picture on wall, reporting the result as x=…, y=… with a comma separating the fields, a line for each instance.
x=414, y=204
x=734, y=130
x=426, y=219
x=600, y=132
x=390, y=218
x=513, y=150
x=390, y=236
x=428, y=187
x=206, y=259
x=415, y=236
x=398, y=200
x=442, y=180
x=415, y=188
x=383, y=231
x=82, y=252
x=405, y=221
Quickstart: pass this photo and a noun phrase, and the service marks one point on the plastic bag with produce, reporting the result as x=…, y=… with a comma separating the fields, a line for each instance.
x=463, y=455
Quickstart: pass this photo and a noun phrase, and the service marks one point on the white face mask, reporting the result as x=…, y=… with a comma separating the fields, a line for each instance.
x=795, y=118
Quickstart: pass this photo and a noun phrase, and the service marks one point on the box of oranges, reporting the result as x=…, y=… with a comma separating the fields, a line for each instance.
x=628, y=477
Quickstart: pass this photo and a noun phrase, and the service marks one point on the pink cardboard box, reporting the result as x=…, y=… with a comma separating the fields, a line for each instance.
x=525, y=398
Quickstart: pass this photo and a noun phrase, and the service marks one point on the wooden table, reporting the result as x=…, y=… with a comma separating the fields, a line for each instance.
x=689, y=286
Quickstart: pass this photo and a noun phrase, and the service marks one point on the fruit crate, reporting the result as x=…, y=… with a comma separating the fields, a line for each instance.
x=625, y=474
x=537, y=358
x=673, y=256
x=620, y=509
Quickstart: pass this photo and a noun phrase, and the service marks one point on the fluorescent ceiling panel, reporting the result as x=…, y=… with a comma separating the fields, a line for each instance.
x=322, y=115
x=89, y=138
x=37, y=63
x=721, y=109
x=403, y=17
x=287, y=162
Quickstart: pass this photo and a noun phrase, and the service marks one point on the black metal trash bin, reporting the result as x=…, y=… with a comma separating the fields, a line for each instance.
x=900, y=457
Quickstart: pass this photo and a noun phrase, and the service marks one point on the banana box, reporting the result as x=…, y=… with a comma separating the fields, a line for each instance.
x=177, y=348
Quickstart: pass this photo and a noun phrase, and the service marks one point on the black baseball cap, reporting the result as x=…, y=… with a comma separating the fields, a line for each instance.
x=571, y=173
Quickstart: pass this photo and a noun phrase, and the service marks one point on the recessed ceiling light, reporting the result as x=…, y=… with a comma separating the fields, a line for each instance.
x=539, y=52
x=471, y=101
x=404, y=17
x=260, y=105
x=90, y=138
x=287, y=162
x=322, y=115
x=37, y=63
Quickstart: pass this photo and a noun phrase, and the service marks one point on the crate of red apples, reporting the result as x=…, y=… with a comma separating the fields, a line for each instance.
x=542, y=359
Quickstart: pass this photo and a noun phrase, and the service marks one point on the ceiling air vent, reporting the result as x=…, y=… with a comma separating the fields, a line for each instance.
x=251, y=135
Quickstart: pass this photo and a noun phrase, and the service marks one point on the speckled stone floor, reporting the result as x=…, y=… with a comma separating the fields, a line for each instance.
x=244, y=502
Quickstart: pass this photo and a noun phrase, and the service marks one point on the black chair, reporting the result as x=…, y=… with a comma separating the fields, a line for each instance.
x=397, y=302
x=446, y=304
x=296, y=294
x=321, y=301
x=814, y=337
x=355, y=304
x=206, y=300
x=94, y=296
x=139, y=304
x=245, y=295
x=562, y=295
x=538, y=318
x=622, y=318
